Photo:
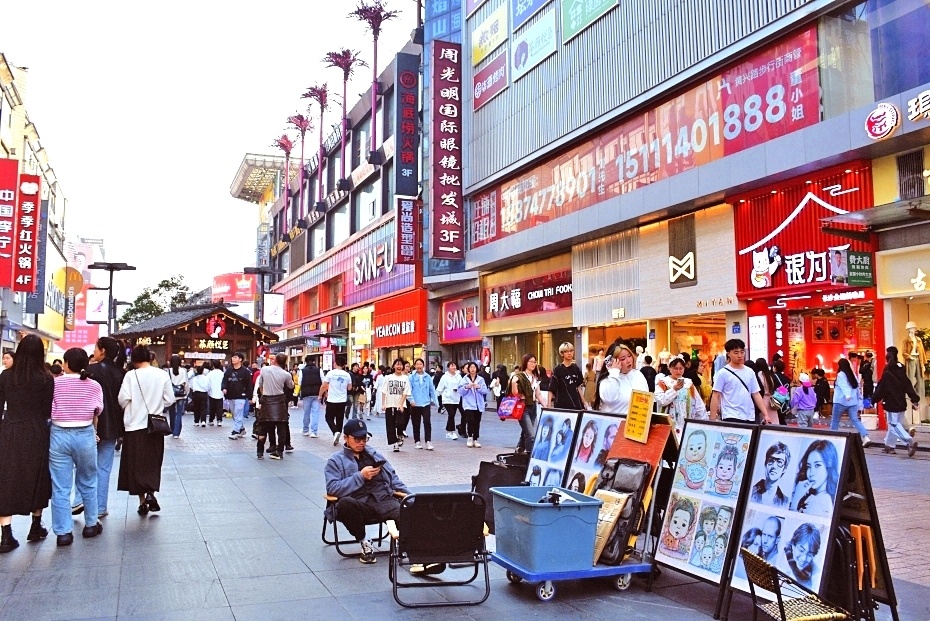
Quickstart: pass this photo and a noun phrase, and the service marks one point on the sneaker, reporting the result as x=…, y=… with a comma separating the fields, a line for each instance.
x=233, y=436
x=336, y=438
x=912, y=448
x=219, y=423
x=242, y=432
x=203, y=424
x=417, y=445
x=368, y=553
x=429, y=446
x=259, y=456
x=455, y=435
x=212, y=423
x=448, y=435
x=403, y=433
x=888, y=450
x=274, y=455
x=470, y=443
x=396, y=448
x=306, y=433
x=175, y=437
x=912, y=431
x=476, y=444
x=400, y=442
x=77, y=509
x=314, y=435
x=866, y=441
x=288, y=449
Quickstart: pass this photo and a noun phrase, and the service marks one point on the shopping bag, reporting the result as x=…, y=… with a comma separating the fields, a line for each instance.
x=511, y=408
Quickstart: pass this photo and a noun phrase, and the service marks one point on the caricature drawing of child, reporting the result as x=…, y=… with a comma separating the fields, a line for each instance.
x=725, y=470
x=720, y=547
x=707, y=558
x=694, y=470
x=700, y=540
x=678, y=527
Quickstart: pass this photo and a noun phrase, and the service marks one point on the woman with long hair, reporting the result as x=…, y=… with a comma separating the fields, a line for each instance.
x=145, y=390
x=817, y=480
x=678, y=397
x=77, y=402
x=524, y=385
x=767, y=384
x=544, y=446
x=586, y=446
x=200, y=386
x=846, y=400
x=473, y=391
x=617, y=381
x=179, y=385
x=26, y=391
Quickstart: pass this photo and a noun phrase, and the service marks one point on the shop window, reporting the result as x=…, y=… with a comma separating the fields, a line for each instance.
x=332, y=168
x=318, y=239
x=365, y=204
x=911, y=175
x=333, y=292
x=360, y=143
x=293, y=310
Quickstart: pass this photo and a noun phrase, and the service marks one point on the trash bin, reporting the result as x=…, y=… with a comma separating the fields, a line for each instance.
x=543, y=537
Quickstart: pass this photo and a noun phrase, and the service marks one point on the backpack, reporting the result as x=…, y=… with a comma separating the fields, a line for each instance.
x=626, y=476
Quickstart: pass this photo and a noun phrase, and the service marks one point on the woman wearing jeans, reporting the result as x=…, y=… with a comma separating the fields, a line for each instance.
x=892, y=390
x=473, y=391
x=525, y=385
x=846, y=399
x=77, y=402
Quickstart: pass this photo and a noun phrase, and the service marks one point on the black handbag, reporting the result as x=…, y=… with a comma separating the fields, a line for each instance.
x=158, y=423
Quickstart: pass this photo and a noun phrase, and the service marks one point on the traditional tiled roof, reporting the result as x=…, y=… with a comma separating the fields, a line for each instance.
x=180, y=317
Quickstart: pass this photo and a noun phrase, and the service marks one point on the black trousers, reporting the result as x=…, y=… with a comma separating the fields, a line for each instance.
x=335, y=416
x=201, y=406
x=451, y=409
x=424, y=413
x=216, y=410
x=472, y=423
x=391, y=418
x=276, y=432
x=355, y=514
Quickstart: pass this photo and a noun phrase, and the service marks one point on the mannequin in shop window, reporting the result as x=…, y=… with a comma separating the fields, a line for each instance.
x=915, y=361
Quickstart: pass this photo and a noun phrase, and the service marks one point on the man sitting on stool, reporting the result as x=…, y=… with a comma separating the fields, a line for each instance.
x=364, y=483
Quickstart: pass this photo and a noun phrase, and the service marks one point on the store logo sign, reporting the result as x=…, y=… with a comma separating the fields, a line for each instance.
x=882, y=121
x=373, y=262
x=682, y=252
x=919, y=107
x=919, y=283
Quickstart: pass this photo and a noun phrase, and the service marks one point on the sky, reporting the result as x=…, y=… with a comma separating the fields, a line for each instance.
x=146, y=112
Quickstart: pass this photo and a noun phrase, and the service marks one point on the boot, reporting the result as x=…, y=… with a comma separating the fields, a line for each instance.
x=37, y=532
x=7, y=543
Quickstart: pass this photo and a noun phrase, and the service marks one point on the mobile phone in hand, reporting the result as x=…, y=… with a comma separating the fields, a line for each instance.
x=380, y=463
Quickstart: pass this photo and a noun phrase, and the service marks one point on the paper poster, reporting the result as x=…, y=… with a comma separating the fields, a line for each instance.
x=596, y=434
x=640, y=416
x=553, y=448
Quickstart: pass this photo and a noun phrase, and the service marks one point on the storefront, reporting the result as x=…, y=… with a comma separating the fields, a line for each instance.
x=360, y=335
x=399, y=327
x=460, y=332
x=528, y=310
x=809, y=288
x=334, y=339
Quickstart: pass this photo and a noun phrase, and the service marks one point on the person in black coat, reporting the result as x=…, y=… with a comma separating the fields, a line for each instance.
x=311, y=380
x=649, y=373
x=106, y=370
x=867, y=373
x=892, y=390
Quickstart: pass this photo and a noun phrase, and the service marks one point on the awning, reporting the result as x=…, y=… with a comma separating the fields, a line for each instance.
x=876, y=219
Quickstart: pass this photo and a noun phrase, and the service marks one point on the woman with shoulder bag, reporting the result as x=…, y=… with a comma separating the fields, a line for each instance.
x=146, y=390
x=179, y=386
x=524, y=385
x=678, y=397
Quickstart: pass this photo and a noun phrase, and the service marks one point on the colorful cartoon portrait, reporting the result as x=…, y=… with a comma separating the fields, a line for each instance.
x=692, y=464
x=678, y=529
x=727, y=464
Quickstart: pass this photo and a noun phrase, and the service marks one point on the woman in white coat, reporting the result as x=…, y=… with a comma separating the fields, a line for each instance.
x=617, y=381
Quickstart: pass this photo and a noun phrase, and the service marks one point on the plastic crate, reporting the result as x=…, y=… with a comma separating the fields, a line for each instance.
x=542, y=537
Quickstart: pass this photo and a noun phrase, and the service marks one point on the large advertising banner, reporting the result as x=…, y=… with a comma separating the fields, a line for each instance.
x=544, y=294
x=28, y=212
x=522, y=10
x=534, y=45
x=489, y=35
x=406, y=115
x=79, y=253
x=9, y=175
x=577, y=15
x=234, y=287
x=461, y=321
x=770, y=94
x=491, y=81
x=446, y=205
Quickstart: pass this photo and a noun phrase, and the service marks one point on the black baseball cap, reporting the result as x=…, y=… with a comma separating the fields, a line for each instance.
x=355, y=428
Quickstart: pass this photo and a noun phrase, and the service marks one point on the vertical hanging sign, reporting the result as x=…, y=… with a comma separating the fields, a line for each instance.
x=9, y=173
x=406, y=120
x=26, y=256
x=446, y=203
x=408, y=229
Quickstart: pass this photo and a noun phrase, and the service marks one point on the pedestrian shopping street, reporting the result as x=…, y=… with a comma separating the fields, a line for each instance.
x=239, y=538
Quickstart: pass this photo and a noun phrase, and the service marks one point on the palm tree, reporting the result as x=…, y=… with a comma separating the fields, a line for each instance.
x=286, y=145
x=302, y=124
x=346, y=60
x=373, y=14
x=319, y=94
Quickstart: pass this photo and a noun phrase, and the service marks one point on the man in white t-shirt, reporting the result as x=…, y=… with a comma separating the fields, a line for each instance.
x=736, y=389
x=335, y=393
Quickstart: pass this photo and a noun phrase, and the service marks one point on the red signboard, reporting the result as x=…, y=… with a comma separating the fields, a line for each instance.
x=547, y=293
x=771, y=93
x=408, y=231
x=446, y=203
x=9, y=175
x=491, y=81
x=781, y=249
x=400, y=321
x=235, y=287
x=26, y=256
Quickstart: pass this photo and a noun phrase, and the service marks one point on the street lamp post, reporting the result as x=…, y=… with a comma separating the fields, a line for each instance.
x=111, y=267
x=262, y=272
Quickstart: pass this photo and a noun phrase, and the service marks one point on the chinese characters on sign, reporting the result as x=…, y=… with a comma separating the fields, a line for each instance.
x=860, y=270
x=534, y=45
x=919, y=107
x=639, y=417
x=446, y=203
x=489, y=35
x=551, y=292
x=212, y=344
x=577, y=15
x=408, y=228
x=472, y=5
x=491, y=80
x=26, y=255
x=9, y=174
x=522, y=10
x=406, y=120
x=772, y=93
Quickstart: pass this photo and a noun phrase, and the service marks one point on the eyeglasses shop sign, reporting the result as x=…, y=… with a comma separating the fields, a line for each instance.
x=543, y=294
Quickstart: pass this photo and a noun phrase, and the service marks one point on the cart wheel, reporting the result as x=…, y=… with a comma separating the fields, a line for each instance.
x=513, y=578
x=622, y=583
x=545, y=591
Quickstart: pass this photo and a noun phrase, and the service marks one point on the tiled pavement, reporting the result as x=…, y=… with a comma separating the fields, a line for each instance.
x=239, y=539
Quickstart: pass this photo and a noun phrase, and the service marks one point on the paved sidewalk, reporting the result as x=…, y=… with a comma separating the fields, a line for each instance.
x=239, y=538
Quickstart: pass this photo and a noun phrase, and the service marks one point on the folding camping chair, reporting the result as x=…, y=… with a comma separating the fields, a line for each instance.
x=793, y=601
x=334, y=522
x=439, y=529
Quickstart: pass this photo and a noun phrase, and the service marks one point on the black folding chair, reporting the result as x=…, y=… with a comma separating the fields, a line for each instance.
x=439, y=529
x=334, y=524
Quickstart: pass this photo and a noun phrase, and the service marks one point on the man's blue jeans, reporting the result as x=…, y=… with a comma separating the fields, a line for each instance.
x=311, y=414
x=238, y=407
x=72, y=453
x=106, y=449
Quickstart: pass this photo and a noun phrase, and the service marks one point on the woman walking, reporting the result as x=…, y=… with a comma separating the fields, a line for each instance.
x=276, y=386
x=768, y=384
x=422, y=398
x=26, y=391
x=394, y=392
x=200, y=386
x=146, y=390
x=617, y=381
x=448, y=391
x=473, y=392
x=846, y=399
x=892, y=390
x=77, y=402
x=179, y=385
x=525, y=385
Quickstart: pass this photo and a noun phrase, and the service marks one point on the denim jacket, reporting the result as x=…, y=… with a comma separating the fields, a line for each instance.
x=422, y=391
x=344, y=479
